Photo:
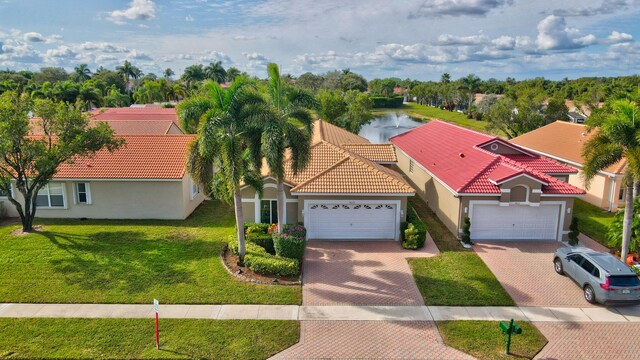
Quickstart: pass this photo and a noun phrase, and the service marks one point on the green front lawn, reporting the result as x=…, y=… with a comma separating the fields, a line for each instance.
x=484, y=339
x=125, y=261
x=134, y=338
x=430, y=112
x=456, y=277
x=592, y=220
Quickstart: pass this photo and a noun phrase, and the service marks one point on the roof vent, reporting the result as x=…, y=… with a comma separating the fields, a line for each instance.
x=584, y=134
x=461, y=155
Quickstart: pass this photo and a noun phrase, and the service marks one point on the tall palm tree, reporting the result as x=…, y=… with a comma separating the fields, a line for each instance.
x=617, y=136
x=232, y=74
x=82, y=72
x=470, y=85
x=279, y=134
x=126, y=70
x=193, y=73
x=445, y=78
x=216, y=72
x=168, y=73
x=229, y=140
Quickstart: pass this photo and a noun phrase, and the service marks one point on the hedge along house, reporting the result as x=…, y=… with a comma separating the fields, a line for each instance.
x=145, y=179
x=508, y=193
x=345, y=193
x=563, y=141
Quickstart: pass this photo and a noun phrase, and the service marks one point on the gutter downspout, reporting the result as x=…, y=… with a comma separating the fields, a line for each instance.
x=612, y=189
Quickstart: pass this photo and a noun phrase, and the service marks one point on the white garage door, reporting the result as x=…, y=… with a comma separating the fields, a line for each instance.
x=514, y=222
x=357, y=221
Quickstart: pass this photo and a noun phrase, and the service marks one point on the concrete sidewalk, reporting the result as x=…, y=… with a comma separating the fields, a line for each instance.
x=315, y=313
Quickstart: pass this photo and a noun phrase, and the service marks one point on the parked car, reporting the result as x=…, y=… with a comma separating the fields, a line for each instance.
x=602, y=277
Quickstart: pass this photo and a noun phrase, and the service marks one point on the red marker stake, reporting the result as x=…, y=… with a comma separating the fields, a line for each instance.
x=157, y=333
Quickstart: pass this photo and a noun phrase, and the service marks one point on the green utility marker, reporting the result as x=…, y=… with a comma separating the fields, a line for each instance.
x=509, y=329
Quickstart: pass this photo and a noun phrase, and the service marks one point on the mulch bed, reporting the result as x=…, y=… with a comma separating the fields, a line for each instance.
x=230, y=261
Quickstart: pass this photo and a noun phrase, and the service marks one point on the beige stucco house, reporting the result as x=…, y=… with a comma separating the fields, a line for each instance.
x=345, y=193
x=507, y=192
x=145, y=179
x=563, y=141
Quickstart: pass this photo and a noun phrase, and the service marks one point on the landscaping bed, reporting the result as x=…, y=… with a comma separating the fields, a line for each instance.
x=484, y=339
x=129, y=261
x=134, y=338
x=246, y=274
x=456, y=277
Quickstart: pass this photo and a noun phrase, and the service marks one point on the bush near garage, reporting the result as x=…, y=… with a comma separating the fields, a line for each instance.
x=262, y=226
x=298, y=230
x=261, y=262
x=263, y=240
x=289, y=246
x=413, y=231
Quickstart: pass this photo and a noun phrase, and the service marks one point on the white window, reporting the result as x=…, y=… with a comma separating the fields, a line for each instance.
x=82, y=193
x=195, y=190
x=411, y=166
x=51, y=196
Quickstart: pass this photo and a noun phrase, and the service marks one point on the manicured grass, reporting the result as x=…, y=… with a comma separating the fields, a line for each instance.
x=430, y=112
x=484, y=339
x=134, y=338
x=116, y=261
x=593, y=221
x=456, y=277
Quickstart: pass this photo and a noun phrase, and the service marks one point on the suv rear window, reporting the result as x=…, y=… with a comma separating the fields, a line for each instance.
x=624, y=281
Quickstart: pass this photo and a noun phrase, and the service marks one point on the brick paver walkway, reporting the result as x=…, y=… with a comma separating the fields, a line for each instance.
x=525, y=270
x=360, y=273
x=370, y=340
x=589, y=341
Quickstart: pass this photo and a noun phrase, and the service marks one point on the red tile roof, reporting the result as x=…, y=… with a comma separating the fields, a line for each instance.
x=142, y=157
x=453, y=155
x=135, y=114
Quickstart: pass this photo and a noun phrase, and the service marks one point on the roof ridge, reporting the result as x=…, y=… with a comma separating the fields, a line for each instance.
x=436, y=120
x=320, y=173
x=475, y=176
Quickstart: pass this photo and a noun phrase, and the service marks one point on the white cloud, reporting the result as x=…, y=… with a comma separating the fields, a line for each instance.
x=33, y=37
x=606, y=7
x=189, y=18
x=137, y=10
x=618, y=37
x=448, y=39
x=103, y=47
x=431, y=8
x=504, y=43
x=213, y=56
x=554, y=34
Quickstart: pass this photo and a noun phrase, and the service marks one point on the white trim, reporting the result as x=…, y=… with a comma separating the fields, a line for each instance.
x=562, y=195
x=193, y=194
x=505, y=191
x=350, y=194
x=87, y=189
x=268, y=185
x=536, y=191
x=114, y=180
x=571, y=162
x=64, y=206
x=398, y=204
x=515, y=177
x=612, y=190
x=559, y=223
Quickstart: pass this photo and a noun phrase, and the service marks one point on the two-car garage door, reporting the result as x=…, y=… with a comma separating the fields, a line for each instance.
x=514, y=222
x=351, y=221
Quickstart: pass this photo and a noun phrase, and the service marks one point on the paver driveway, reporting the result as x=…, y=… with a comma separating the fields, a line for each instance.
x=525, y=270
x=360, y=273
x=589, y=341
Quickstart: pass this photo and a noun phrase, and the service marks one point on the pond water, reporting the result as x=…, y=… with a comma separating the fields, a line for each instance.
x=382, y=127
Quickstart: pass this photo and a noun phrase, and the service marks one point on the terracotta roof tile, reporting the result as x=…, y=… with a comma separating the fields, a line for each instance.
x=453, y=155
x=380, y=153
x=562, y=140
x=142, y=157
x=135, y=114
x=335, y=135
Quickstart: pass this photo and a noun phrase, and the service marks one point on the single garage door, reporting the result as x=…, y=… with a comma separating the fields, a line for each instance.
x=357, y=221
x=514, y=222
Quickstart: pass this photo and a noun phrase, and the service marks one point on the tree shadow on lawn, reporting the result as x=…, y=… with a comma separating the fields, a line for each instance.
x=126, y=260
x=471, y=291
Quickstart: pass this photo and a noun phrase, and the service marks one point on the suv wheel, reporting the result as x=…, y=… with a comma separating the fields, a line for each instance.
x=557, y=266
x=589, y=294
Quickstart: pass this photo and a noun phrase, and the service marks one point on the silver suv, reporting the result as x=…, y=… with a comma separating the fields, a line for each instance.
x=602, y=277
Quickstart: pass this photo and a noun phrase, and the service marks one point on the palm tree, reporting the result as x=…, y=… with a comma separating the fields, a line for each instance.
x=177, y=91
x=126, y=70
x=232, y=74
x=193, y=74
x=279, y=134
x=229, y=140
x=445, y=78
x=82, y=72
x=470, y=84
x=617, y=137
x=168, y=73
x=216, y=72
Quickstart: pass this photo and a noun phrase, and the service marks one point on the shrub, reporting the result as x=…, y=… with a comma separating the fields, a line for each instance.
x=414, y=231
x=289, y=246
x=298, y=231
x=387, y=102
x=259, y=261
x=273, y=228
x=263, y=240
x=254, y=230
x=466, y=231
x=264, y=227
x=573, y=232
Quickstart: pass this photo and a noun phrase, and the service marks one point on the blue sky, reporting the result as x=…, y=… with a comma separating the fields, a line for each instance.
x=420, y=39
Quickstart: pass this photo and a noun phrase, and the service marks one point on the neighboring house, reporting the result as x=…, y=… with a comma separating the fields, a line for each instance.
x=145, y=179
x=563, y=141
x=139, y=120
x=575, y=117
x=345, y=193
x=507, y=192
